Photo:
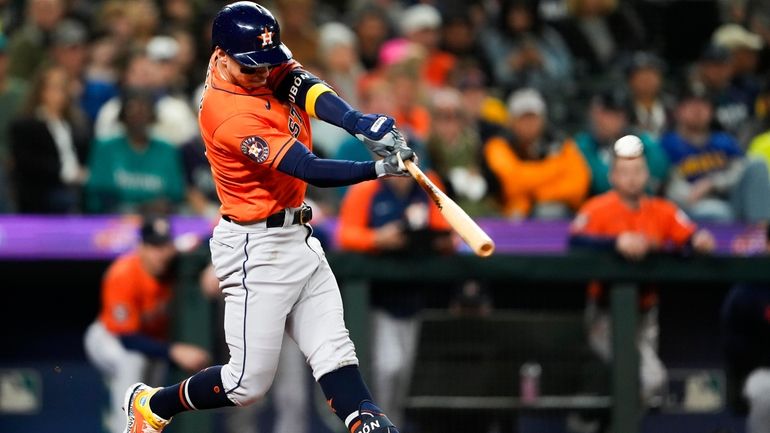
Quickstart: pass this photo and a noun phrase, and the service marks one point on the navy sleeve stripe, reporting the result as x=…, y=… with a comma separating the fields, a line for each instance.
x=299, y=162
x=329, y=107
x=281, y=150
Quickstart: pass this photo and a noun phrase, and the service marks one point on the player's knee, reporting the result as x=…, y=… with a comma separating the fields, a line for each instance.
x=245, y=388
x=247, y=393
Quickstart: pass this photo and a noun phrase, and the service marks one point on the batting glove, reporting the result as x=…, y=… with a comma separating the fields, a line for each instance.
x=392, y=166
x=377, y=131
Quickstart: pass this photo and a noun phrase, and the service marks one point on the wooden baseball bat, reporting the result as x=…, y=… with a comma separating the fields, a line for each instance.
x=469, y=231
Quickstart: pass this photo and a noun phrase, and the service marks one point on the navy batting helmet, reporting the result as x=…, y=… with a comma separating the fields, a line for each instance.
x=250, y=34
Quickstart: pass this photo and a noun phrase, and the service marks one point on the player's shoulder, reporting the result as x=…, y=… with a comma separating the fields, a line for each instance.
x=604, y=202
x=673, y=142
x=111, y=142
x=365, y=188
x=222, y=102
x=279, y=72
x=234, y=114
x=161, y=145
x=723, y=140
x=125, y=266
x=662, y=205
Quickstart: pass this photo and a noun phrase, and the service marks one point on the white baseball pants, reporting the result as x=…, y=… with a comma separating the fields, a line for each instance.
x=276, y=280
x=120, y=368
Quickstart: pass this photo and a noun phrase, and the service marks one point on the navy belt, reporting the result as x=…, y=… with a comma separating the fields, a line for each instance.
x=303, y=215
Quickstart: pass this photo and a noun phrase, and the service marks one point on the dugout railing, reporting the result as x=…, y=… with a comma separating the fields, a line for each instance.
x=354, y=270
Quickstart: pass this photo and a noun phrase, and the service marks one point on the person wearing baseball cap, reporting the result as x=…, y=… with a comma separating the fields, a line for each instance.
x=421, y=24
x=715, y=75
x=538, y=174
x=129, y=340
x=650, y=110
x=69, y=47
x=711, y=178
x=634, y=224
x=744, y=48
x=608, y=121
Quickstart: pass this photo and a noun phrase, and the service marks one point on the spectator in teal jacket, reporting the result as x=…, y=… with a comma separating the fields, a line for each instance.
x=135, y=172
x=608, y=122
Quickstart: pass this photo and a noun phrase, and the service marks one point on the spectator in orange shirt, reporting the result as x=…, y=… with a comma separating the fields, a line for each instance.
x=393, y=216
x=627, y=220
x=128, y=342
x=538, y=175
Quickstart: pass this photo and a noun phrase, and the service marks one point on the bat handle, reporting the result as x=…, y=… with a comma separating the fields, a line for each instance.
x=407, y=165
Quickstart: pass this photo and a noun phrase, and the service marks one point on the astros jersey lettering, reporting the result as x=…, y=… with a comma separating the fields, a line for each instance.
x=247, y=133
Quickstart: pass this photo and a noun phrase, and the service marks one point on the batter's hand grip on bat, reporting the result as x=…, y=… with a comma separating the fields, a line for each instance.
x=481, y=244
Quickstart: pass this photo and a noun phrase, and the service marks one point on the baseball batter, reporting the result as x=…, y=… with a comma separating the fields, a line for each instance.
x=272, y=271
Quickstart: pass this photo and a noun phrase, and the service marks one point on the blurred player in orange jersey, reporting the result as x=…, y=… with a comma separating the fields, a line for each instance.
x=393, y=216
x=627, y=220
x=128, y=342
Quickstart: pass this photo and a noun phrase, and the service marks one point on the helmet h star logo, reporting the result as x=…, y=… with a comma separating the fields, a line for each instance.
x=255, y=148
x=266, y=37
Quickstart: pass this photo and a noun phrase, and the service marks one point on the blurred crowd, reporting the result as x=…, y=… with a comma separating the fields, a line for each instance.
x=515, y=104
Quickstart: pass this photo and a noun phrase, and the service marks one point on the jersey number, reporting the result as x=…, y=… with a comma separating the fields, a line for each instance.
x=294, y=122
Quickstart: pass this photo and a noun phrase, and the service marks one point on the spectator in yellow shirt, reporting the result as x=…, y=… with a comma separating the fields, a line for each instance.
x=759, y=146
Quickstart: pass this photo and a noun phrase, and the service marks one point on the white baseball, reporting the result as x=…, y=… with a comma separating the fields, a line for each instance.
x=629, y=146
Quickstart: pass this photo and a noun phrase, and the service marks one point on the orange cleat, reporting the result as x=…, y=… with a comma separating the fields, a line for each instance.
x=140, y=418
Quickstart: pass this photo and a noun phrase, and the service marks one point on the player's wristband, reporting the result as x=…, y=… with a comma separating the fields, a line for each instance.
x=146, y=345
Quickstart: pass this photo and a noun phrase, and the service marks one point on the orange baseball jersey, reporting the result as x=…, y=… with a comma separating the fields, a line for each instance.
x=606, y=215
x=247, y=133
x=658, y=219
x=134, y=301
x=355, y=231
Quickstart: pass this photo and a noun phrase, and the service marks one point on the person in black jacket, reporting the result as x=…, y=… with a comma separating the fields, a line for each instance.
x=49, y=142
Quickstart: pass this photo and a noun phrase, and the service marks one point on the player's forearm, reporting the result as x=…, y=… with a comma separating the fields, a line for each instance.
x=146, y=345
x=299, y=162
x=600, y=243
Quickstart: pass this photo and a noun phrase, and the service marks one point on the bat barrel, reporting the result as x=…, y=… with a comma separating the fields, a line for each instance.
x=481, y=244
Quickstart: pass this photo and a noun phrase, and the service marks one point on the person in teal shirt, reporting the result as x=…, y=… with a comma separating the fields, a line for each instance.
x=135, y=172
x=608, y=122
